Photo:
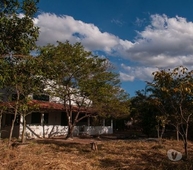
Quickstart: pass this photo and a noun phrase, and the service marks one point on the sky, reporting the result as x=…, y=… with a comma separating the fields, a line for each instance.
x=137, y=36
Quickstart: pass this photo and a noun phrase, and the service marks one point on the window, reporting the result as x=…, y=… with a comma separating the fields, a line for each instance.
x=83, y=121
x=64, y=121
x=107, y=122
x=9, y=118
x=46, y=116
x=41, y=97
x=36, y=118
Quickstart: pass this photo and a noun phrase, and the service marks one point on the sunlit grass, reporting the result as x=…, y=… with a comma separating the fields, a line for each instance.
x=112, y=154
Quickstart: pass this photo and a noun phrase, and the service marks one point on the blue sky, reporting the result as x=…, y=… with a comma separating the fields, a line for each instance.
x=137, y=36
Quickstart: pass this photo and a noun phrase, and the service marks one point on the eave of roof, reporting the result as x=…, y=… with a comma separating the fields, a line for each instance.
x=45, y=105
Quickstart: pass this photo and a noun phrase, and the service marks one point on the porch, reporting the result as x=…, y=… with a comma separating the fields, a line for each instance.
x=54, y=123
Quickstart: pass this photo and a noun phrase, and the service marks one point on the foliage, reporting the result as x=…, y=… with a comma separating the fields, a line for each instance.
x=18, y=37
x=172, y=91
x=18, y=89
x=143, y=110
x=18, y=33
x=83, y=80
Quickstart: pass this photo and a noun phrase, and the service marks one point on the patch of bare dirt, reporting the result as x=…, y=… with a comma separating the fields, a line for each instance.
x=76, y=154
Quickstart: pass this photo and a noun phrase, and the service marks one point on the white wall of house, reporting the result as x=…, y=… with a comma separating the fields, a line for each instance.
x=54, y=128
x=98, y=130
x=33, y=131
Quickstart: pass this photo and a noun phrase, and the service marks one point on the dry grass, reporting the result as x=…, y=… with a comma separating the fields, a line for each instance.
x=112, y=154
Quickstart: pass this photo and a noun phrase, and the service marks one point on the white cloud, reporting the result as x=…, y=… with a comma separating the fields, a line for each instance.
x=61, y=28
x=165, y=42
x=126, y=77
x=141, y=73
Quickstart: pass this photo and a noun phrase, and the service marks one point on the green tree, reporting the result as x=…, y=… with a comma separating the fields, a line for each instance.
x=82, y=81
x=3, y=77
x=21, y=81
x=18, y=37
x=159, y=101
x=18, y=33
x=143, y=110
x=176, y=87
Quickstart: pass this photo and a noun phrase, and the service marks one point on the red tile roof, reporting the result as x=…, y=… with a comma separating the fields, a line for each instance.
x=45, y=105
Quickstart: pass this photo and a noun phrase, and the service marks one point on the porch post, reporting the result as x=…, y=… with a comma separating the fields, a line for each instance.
x=42, y=123
x=42, y=119
x=88, y=121
x=103, y=122
x=112, y=125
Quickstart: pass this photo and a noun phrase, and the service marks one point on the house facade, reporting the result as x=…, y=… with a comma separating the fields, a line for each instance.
x=51, y=121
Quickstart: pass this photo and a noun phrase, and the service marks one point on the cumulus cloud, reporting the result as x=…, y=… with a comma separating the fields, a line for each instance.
x=139, y=72
x=126, y=76
x=165, y=42
x=61, y=28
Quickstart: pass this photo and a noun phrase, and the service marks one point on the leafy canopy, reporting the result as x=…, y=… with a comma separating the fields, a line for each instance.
x=18, y=33
x=77, y=77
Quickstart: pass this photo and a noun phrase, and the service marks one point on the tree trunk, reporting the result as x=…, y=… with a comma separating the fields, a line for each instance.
x=70, y=132
x=160, y=136
x=12, y=127
x=157, y=128
x=24, y=130
x=162, y=132
x=70, y=126
x=186, y=149
x=186, y=141
x=1, y=115
x=177, y=132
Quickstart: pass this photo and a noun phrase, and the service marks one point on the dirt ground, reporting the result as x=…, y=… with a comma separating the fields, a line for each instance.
x=113, y=154
x=78, y=140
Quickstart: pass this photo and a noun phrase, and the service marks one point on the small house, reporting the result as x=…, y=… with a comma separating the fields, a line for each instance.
x=51, y=121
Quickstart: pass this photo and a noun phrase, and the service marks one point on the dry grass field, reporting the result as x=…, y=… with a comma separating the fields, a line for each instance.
x=76, y=154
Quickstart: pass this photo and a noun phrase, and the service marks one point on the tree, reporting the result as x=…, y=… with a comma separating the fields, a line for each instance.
x=176, y=87
x=18, y=33
x=18, y=37
x=2, y=110
x=3, y=77
x=144, y=111
x=85, y=83
x=19, y=88
x=160, y=102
